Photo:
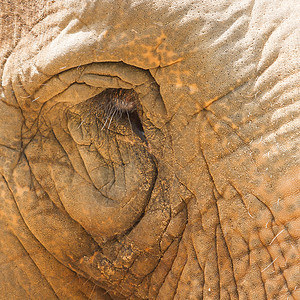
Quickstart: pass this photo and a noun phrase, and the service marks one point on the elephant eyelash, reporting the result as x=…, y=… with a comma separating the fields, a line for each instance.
x=116, y=104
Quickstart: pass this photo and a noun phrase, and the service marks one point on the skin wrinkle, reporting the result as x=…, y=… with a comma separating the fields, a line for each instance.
x=26, y=223
x=148, y=275
x=268, y=114
x=254, y=161
x=232, y=152
x=204, y=261
x=85, y=176
x=66, y=155
x=168, y=271
x=43, y=276
x=131, y=291
x=268, y=209
x=260, y=70
x=242, y=254
x=269, y=35
x=228, y=251
x=282, y=269
x=215, y=185
x=36, y=121
x=24, y=248
x=242, y=199
x=266, y=245
x=40, y=71
x=285, y=281
x=123, y=170
x=32, y=175
x=190, y=277
x=235, y=130
x=218, y=268
x=175, y=293
x=230, y=259
x=272, y=264
x=264, y=290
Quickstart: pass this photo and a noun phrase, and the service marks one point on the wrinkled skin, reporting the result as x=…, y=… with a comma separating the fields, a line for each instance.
x=206, y=206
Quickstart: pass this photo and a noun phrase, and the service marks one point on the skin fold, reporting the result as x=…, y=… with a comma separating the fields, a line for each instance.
x=194, y=194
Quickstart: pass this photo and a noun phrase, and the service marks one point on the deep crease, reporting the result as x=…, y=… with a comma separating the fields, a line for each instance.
x=270, y=275
x=32, y=235
x=231, y=91
x=178, y=278
x=228, y=251
x=216, y=204
x=282, y=255
x=216, y=247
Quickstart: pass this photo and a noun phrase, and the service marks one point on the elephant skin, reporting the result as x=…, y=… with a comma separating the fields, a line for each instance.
x=193, y=193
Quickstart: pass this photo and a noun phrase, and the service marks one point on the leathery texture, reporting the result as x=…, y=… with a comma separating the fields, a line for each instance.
x=203, y=207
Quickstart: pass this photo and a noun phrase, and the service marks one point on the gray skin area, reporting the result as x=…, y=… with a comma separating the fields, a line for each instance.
x=197, y=197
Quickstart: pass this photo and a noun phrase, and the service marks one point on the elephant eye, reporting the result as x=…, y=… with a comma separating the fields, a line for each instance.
x=118, y=106
x=120, y=100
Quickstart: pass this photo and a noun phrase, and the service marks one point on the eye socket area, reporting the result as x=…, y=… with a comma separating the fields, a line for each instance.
x=118, y=110
x=122, y=104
